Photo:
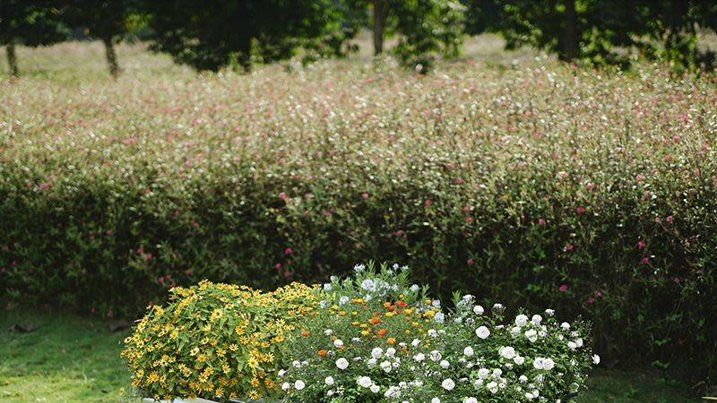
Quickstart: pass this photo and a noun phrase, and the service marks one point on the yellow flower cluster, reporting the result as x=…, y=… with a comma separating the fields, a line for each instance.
x=215, y=341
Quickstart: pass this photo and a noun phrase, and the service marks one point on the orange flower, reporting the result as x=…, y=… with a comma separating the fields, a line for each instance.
x=322, y=353
x=305, y=333
x=382, y=333
x=401, y=304
x=391, y=341
x=374, y=321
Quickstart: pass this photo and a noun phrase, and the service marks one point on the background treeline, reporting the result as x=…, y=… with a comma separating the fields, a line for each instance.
x=212, y=34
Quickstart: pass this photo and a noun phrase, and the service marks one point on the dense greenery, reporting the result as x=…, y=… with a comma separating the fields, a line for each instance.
x=238, y=33
x=219, y=341
x=532, y=184
x=69, y=358
x=603, y=31
x=29, y=23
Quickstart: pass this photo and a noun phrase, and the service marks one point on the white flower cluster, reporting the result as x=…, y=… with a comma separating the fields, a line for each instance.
x=416, y=352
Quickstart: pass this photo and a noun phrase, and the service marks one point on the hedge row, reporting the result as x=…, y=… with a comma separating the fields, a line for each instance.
x=609, y=212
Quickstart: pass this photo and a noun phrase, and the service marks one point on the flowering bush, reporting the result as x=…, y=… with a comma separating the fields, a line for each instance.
x=374, y=338
x=538, y=184
x=215, y=341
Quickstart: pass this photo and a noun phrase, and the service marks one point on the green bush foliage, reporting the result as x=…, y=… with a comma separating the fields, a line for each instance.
x=534, y=184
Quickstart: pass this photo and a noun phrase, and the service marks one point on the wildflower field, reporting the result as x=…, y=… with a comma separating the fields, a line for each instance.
x=509, y=176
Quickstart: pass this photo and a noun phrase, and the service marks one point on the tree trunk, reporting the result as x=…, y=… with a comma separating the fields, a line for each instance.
x=570, y=39
x=111, y=57
x=12, y=59
x=379, y=21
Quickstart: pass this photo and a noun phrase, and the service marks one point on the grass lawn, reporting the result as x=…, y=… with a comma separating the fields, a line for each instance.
x=68, y=358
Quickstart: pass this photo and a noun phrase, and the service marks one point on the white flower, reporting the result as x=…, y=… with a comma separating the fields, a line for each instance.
x=448, y=384
x=507, y=352
x=565, y=326
x=572, y=345
x=390, y=351
x=543, y=363
x=385, y=366
x=368, y=285
x=415, y=342
x=549, y=312
x=359, y=268
x=432, y=333
x=519, y=360
x=285, y=386
x=579, y=342
x=419, y=357
x=329, y=380
x=342, y=363
x=478, y=310
x=498, y=308
x=483, y=373
x=327, y=287
x=344, y=300
x=338, y=343
x=377, y=352
x=364, y=381
x=596, y=359
x=536, y=319
x=470, y=400
x=468, y=351
x=282, y=372
x=299, y=385
x=521, y=320
x=529, y=396
x=482, y=332
x=445, y=364
x=492, y=386
x=435, y=400
x=523, y=379
x=393, y=392
x=375, y=388
x=328, y=332
x=415, y=288
x=531, y=335
x=440, y=317
x=435, y=355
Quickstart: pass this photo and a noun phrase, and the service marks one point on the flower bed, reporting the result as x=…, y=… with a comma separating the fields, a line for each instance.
x=370, y=337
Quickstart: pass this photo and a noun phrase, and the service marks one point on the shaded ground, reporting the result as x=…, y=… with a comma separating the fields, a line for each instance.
x=68, y=358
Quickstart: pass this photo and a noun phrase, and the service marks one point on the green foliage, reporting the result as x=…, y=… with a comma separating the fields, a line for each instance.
x=215, y=341
x=30, y=23
x=210, y=35
x=427, y=28
x=398, y=345
x=605, y=32
x=536, y=185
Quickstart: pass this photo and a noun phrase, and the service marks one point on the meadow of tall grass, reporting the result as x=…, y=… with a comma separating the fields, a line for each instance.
x=510, y=176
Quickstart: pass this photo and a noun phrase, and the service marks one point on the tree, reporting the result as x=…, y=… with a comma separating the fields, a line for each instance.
x=105, y=20
x=424, y=27
x=215, y=33
x=593, y=30
x=669, y=29
x=482, y=16
x=31, y=23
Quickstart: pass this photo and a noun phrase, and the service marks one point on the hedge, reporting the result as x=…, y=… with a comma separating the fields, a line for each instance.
x=597, y=196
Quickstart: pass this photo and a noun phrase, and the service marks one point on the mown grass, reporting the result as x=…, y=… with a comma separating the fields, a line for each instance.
x=72, y=359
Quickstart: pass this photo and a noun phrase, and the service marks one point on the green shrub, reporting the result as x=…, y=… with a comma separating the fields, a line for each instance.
x=376, y=338
x=536, y=185
x=215, y=341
